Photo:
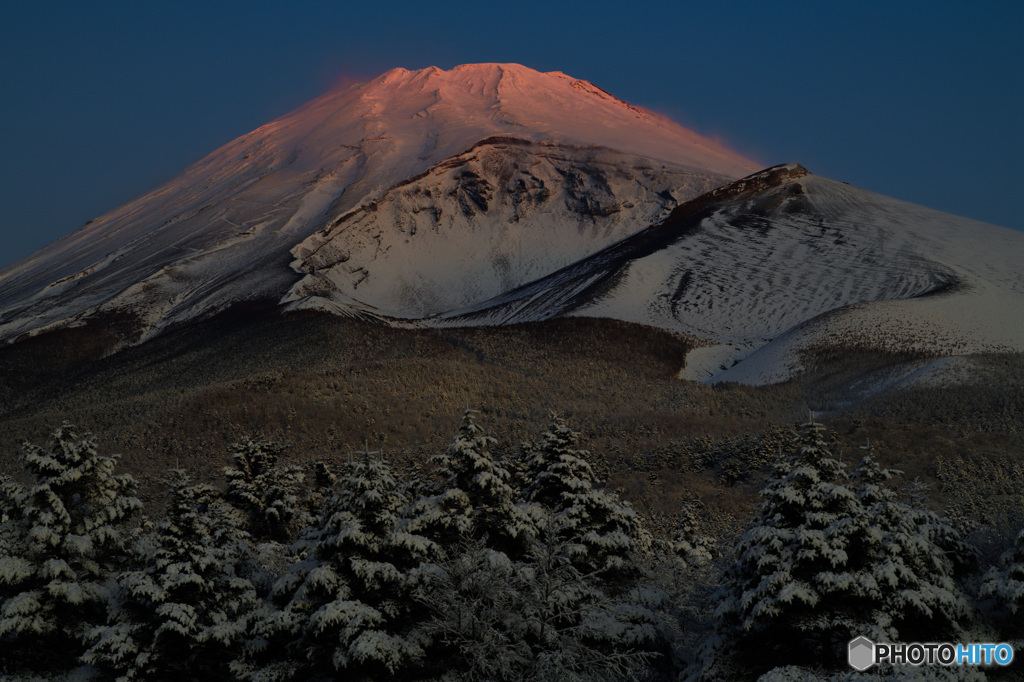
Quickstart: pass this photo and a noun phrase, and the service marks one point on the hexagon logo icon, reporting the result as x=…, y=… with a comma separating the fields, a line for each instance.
x=862, y=654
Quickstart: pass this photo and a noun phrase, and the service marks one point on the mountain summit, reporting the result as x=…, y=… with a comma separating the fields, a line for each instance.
x=223, y=231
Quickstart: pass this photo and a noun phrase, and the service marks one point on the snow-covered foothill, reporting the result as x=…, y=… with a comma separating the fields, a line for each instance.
x=782, y=261
x=502, y=214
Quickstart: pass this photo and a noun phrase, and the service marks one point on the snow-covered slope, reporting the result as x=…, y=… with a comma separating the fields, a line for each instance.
x=500, y=215
x=225, y=229
x=784, y=260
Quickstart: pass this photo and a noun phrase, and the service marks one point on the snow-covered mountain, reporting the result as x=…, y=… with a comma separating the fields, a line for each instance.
x=502, y=214
x=224, y=230
x=782, y=261
x=494, y=194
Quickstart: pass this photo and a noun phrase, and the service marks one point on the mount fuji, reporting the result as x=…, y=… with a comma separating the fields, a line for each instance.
x=495, y=194
x=569, y=157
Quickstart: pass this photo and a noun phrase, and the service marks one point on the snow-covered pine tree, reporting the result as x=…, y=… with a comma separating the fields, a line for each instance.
x=188, y=609
x=346, y=606
x=773, y=604
x=266, y=491
x=687, y=542
x=823, y=562
x=476, y=628
x=60, y=544
x=312, y=502
x=902, y=561
x=323, y=477
x=537, y=618
x=604, y=533
x=1005, y=583
x=474, y=499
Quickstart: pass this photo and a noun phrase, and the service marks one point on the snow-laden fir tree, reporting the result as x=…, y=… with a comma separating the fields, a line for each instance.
x=604, y=534
x=265, y=490
x=687, y=542
x=60, y=545
x=824, y=561
x=903, y=560
x=346, y=608
x=1005, y=584
x=187, y=610
x=773, y=605
x=537, y=618
x=321, y=490
x=474, y=498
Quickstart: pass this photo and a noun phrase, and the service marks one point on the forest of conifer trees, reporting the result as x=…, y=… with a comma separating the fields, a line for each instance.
x=523, y=566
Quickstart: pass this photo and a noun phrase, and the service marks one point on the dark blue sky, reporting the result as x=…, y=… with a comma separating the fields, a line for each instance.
x=922, y=101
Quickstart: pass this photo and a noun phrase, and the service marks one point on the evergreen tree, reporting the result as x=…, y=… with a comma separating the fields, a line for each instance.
x=687, y=542
x=59, y=545
x=786, y=561
x=266, y=491
x=605, y=534
x=186, y=611
x=347, y=606
x=537, y=618
x=905, y=559
x=824, y=561
x=1005, y=583
x=475, y=499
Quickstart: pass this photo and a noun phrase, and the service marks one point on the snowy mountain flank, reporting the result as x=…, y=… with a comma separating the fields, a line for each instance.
x=784, y=260
x=224, y=230
x=502, y=214
x=495, y=194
